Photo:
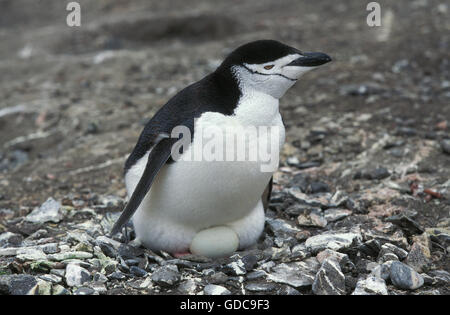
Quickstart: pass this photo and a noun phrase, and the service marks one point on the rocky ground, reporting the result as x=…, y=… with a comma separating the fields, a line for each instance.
x=361, y=201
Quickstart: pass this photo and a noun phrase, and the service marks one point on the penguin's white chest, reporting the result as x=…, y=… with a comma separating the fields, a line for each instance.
x=194, y=193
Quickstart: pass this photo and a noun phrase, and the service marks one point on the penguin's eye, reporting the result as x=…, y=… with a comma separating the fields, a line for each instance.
x=268, y=67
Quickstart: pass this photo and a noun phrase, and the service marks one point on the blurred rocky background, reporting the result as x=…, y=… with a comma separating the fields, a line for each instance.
x=360, y=202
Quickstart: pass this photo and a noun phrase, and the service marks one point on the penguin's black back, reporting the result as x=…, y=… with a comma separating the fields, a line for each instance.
x=217, y=92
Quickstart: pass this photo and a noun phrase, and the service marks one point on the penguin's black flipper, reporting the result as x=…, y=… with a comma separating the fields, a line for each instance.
x=266, y=194
x=156, y=159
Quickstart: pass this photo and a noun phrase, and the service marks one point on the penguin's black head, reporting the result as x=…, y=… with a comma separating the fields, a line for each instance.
x=270, y=66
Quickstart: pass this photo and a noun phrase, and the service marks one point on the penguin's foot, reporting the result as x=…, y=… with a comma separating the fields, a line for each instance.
x=219, y=241
x=180, y=254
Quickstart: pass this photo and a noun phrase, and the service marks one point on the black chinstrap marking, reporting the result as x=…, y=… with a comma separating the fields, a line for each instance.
x=278, y=74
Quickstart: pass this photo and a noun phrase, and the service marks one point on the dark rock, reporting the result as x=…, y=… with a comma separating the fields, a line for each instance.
x=166, y=276
x=308, y=164
x=129, y=252
x=370, y=248
x=318, y=187
x=408, y=225
x=260, y=287
x=373, y=174
x=404, y=277
x=218, y=278
x=117, y=275
x=445, y=145
x=391, y=248
x=301, y=182
x=359, y=206
x=329, y=280
x=17, y=284
x=406, y=131
x=139, y=272
x=250, y=262
x=441, y=276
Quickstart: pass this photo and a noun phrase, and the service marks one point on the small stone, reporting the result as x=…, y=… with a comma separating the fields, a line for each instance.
x=212, y=289
x=382, y=271
x=296, y=274
x=445, y=145
x=318, y=187
x=49, y=211
x=344, y=261
x=287, y=290
x=118, y=275
x=407, y=224
x=387, y=257
x=281, y=227
x=441, y=276
x=76, y=275
x=166, y=276
x=370, y=286
x=33, y=254
x=139, y=272
x=51, y=278
x=404, y=277
x=300, y=252
x=331, y=241
x=100, y=278
x=59, y=290
x=391, y=252
x=279, y=253
x=260, y=287
x=50, y=248
x=187, y=287
x=321, y=201
x=329, y=280
x=235, y=268
x=373, y=174
x=254, y=275
x=70, y=255
x=84, y=291
x=10, y=239
x=17, y=284
x=417, y=257
x=218, y=278
x=314, y=219
x=441, y=234
x=249, y=261
x=43, y=288
x=427, y=280
x=370, y=248
x=333, y=215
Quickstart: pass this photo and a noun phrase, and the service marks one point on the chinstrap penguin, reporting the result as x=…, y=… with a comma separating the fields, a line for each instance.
x=211, y=208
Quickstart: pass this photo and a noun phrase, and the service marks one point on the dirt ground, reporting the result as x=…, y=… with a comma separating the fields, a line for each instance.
x=75, y=99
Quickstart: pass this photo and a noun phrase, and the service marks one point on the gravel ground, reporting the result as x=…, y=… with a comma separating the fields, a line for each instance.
x=362, y=197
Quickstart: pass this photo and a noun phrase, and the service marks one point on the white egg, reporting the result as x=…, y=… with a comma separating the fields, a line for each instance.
x=215, y=242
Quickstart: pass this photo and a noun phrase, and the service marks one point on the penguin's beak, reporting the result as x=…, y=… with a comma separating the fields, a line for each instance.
x=311, y=59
